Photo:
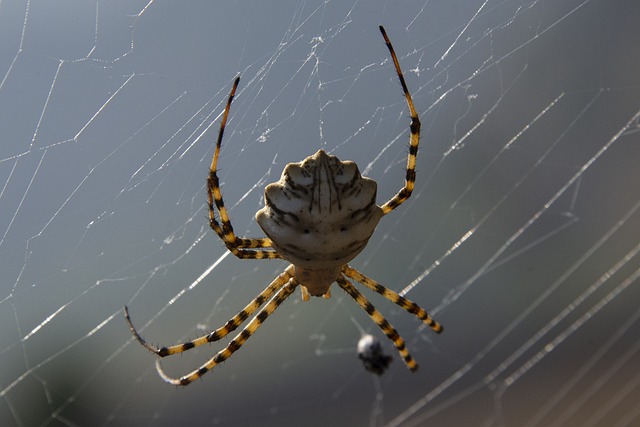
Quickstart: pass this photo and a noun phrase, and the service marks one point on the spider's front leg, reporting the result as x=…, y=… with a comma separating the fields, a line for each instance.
x=410, y=178
x=242, y=247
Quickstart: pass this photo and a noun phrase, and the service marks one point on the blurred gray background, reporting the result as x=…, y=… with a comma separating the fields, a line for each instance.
x=521, y=236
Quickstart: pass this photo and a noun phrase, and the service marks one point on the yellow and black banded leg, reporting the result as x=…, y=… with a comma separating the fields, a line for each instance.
x=222, y=332
x=392, y=296
x=379, y=319
x=236, y=342
x=414, y=139
x=242, y=247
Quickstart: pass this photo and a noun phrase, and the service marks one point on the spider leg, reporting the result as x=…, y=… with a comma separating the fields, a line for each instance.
x=222, y=332
x=242, y=247
x=414, y=139
x=379, y=319
x=236, y=342
x=392, y=296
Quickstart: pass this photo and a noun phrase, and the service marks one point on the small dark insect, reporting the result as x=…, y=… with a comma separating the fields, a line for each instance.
x=371, y=354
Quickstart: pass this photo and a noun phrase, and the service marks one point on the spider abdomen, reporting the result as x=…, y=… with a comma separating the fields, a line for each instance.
x=321, y=213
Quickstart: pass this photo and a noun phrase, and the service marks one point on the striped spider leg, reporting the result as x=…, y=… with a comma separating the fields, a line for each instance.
x=378, y=318
x=282, y=287
x=414, y=128
x=242, y=247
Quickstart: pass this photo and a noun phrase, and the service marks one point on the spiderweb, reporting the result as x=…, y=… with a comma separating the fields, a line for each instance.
x=521, y=236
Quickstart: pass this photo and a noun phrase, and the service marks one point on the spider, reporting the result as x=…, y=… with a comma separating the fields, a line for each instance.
x=318, y=216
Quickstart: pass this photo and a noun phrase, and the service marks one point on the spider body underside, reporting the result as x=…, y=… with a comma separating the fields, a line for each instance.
x=318, y=216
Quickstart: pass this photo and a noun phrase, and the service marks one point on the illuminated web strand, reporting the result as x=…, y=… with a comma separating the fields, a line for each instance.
x=420, y=403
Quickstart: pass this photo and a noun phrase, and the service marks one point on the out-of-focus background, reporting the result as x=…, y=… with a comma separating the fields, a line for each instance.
x=522, y=236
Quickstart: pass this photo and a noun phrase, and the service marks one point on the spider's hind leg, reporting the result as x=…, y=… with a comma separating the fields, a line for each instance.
x=225, y=330
x=379, y=319
x=394, y=297
x=236, y=342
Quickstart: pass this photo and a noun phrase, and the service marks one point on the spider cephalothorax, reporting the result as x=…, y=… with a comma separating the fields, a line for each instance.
x=318, y=216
